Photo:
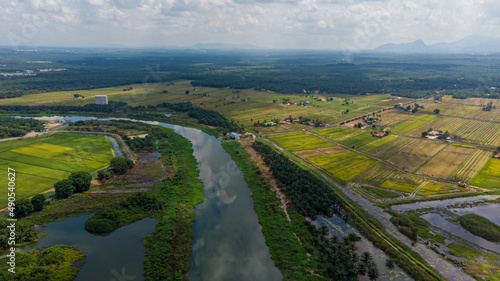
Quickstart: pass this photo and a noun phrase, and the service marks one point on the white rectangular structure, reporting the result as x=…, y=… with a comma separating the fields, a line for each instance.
x=101, y=99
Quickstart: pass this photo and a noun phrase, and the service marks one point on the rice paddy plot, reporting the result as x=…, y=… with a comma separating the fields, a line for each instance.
x=376, y=174
x=377, y=142
x=386, y=150
x=471, y=167
x=398, y=186
x=454, y=124
x=298, y=141
x=409, y=162
x=309, y=153
x=443, y=164
x=327, y=159
x=349, y=168
x=413, y=123
x=332, y=150
x=432, y=188
x=40, y=162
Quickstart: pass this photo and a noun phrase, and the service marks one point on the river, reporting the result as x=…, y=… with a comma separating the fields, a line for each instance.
x=228, y=242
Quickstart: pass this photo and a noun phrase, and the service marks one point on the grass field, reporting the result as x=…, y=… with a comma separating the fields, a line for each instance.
x=298, y=141
x=327, y=159
x=40, y=162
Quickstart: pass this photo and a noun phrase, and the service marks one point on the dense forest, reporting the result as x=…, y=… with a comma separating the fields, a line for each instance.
x=328, y=72
x=204, y=116
x=17, y=127
x=310, y=195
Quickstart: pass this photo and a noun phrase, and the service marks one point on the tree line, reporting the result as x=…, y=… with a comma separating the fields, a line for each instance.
x=309, y=194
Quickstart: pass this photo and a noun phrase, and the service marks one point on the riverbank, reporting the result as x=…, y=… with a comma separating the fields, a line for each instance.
x=284, y=229
x=168, y=248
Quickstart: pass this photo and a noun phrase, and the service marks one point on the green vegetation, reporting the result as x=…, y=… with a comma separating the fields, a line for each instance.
x=310, y=195
x=25, y=233
x=173, y=236
x=299, y=141
x=14, y=127
x=57, y=263
x=480, y=226
x=489, y=176
x=410, y=224
x=119, y=165
x=287, y=252
x=40, y=162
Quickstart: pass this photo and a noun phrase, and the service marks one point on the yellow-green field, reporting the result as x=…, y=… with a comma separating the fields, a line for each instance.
x=349, y=168
x=41, y=161
x=298, y=141
x=489, y=176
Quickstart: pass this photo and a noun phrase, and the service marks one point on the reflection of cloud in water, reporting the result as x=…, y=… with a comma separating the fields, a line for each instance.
x=225, y=198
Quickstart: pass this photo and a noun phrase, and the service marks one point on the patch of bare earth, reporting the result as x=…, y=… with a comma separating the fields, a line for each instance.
x=268, y=176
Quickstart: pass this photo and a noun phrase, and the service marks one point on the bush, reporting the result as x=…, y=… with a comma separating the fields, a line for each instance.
x=38, y=201
x=81, y=181
x=99, y=226
x=51, y=256
x=23, y=208
x=144, y=200
x=119, y=165
x=64, y=188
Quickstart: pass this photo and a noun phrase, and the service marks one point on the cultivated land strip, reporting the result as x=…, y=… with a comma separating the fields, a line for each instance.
x=445, y=268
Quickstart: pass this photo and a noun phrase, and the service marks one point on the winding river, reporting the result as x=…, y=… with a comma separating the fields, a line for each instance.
x=228, y=242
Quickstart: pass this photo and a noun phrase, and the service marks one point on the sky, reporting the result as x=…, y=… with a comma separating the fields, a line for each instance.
x=288, y=24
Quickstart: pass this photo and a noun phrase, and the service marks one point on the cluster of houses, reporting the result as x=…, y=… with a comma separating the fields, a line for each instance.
x=298, y=103
x=235, y=135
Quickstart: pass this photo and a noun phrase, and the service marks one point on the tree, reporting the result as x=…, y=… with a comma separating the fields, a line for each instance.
x=81, y=181
x=425, y=134
x=23, y=208
x=437, y=111
x=38, y=201
x=119, y=165
x=187, y=92
x=76, y=95
x=373, y=271
x=64, y=189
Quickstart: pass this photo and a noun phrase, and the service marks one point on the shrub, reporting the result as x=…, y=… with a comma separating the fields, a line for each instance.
x=81, y=181
x=144, y=200
x=23, y=208
x=38, y=201
x=64, y=188
x=99, y=226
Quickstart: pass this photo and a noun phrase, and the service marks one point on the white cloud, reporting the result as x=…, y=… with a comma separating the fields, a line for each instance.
x=276, y=23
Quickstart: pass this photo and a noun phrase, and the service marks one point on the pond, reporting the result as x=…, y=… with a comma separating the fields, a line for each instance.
x=107, y=257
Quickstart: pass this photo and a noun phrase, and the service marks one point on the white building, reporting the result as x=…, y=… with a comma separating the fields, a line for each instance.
x=101, y=99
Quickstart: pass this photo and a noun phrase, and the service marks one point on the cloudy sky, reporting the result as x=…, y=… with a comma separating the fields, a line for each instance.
x=311, y=24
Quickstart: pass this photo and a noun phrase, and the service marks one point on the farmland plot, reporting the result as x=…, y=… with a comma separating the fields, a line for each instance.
x=494, y=140
x=412, y=124
x=349, y=168
x=471, y=167
x=443, y=164
x=388, y=149
x=328, y=159
x=376, y=174
x=489, y=176
x=377, y=142
x=298, y=141
x=416, y=154
x=454, y=124
x=435, y=123
x=432, y=188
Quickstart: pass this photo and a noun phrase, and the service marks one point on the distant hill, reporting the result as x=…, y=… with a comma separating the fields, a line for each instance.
x=469, y=44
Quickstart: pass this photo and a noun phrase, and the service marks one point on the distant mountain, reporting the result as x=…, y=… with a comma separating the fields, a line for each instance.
x=469, y=44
